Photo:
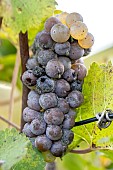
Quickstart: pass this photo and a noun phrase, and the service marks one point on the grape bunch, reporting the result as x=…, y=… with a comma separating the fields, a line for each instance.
x=55, y=75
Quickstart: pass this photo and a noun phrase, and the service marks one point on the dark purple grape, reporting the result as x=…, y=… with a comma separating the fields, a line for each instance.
x=62, y=88
x=45, y=40
x=66, y=62
x=53, y=116
x=38, y=71
x=48, y=100
x=42, y=143
x=80, y=71
x=63, y=105
x=35, y=47
x=69, y=121
x=45, y=84
x=50, y=166
x=76, y=51
x=44, y=56
x=62, y=48
x=54, y=68
x=69, y=75
x=54, y=132
x=26, y=130
x=31, y=63
x=58, y=149
x=33, y=100
x=87, y=51
x=50, y=22
x=67, y=137
x=28, y=78
x=29, y=114
x=76, y=85
x=75, y=99
x=38, y=126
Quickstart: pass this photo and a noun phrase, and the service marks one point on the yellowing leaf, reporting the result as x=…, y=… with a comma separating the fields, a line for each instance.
x=98, y=96
x=25, y=14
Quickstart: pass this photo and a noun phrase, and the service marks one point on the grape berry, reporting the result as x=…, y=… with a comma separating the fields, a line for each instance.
x=55, y=74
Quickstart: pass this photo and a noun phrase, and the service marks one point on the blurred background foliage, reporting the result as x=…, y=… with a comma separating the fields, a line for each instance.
x=8, y=53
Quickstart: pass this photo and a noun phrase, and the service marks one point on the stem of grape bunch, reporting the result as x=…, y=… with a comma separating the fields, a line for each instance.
x=24, y=53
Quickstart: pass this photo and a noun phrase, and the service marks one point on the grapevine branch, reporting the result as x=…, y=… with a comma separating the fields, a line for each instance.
x=10, y=123
x=14, y=80
x=24, y=53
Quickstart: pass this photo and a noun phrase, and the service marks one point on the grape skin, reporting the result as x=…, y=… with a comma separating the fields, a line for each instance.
x=58, y=149
x=26, y=130
x=63, y=105
x=78, y=30
x=44, y=85
x=53, y=116
x=33, y=101
x=54, y=68
x=87, y=42
x=38, y=126
x=53, y=132
x=75, y=99
x=31, y=63
x=76, y=51
x=72, y=18
x=67, y=137
x=62, y=88
x=45, y=41
x=48, y=156
x=62, y=17
x=69, y=121
x=60, y=33
x=69, y=75
x=80, y=71
x=50, y=22
x=62, y=48
x=44, y=56
x=29, y=114
x=48, y=100
x=66, y=62
x=77, y=85
x=38, y=71
x=28, y=78
x=43, y=143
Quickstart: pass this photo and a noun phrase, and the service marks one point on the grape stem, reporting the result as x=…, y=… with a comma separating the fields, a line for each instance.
x=24, y=53
x=84, y=151
x=10, y=123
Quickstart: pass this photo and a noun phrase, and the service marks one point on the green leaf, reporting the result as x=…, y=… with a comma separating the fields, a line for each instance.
x=98, y=96
x=32, y=161
x=28, y=14
x=13, y=147
x=6, y=48
x=6, y=69
x=74, y=161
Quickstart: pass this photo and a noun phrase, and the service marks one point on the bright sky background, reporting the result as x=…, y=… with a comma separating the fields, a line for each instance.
x=97, y=15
